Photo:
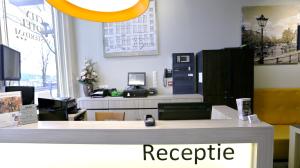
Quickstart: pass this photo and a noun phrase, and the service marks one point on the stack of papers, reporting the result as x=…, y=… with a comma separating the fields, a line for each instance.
x=28, y=114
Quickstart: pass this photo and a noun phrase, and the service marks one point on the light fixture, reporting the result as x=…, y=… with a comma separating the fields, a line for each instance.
x=262, y=21
x=102, y=10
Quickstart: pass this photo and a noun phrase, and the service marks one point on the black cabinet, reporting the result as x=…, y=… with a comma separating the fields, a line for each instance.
x=225, y=75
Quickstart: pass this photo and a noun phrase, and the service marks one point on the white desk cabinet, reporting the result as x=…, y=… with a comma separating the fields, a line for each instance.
x=294, y=146
x=51, y=136
x=123, y=103
x=134, y=108
x=93, y=103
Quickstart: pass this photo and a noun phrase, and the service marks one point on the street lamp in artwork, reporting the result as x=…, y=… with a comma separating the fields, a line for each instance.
x=298, y=33
x=262, y=22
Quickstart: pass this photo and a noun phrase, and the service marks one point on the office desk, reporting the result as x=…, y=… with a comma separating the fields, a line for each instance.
x=224, y=128
x=134, y=108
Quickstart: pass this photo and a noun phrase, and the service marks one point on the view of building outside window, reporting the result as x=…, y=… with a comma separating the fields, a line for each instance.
x=30, y=31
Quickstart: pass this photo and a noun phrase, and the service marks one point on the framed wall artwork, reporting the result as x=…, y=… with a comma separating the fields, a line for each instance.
x=137, y=37
x=273, y=32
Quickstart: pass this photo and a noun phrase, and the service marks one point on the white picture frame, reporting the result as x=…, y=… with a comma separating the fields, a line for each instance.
x=136, y=37
x=10, y=105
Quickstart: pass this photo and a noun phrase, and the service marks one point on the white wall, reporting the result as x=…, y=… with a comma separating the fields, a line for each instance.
x=274, y=76
x=183, y=25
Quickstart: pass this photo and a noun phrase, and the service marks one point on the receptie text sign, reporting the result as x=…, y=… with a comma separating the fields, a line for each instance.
x=115, y=156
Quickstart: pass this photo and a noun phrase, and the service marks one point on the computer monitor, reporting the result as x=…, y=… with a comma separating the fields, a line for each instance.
x=27, y=93
x=184, y=111
x=136, y=78
x=10, y=63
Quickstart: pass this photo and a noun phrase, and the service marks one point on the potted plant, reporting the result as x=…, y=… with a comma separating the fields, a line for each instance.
x=88, y=77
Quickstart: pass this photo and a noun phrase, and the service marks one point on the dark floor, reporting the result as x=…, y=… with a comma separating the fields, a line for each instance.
x=280, y=165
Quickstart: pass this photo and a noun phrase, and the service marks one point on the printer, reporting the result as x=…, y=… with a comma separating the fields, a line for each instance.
x=100, y=93
x=56, y=109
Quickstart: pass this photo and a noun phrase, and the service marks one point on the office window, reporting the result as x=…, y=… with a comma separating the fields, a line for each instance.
x=28, y=26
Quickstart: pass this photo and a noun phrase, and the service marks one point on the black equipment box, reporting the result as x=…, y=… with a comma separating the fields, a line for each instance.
x=135, y=93
x=56, y=109
x=184, y=81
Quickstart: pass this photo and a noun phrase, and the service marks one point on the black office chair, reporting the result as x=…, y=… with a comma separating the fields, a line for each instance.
x=27, y=93
x=184, y=111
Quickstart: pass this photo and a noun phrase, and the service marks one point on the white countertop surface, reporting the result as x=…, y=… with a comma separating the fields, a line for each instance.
x=179, y=96
x=121, y=125
x=134, y=131
x=222, y=117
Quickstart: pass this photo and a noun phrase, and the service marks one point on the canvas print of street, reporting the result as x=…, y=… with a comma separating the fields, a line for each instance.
x=272, y=32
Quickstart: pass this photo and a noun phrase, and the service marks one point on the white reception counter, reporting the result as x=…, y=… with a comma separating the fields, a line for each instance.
x=223, y=128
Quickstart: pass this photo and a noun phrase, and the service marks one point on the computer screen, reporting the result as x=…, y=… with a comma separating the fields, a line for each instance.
x=11, y=64
x=184, y=111
x=136, y=79
x=27, y=93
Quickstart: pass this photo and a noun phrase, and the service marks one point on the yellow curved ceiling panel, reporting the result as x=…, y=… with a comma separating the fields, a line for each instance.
x=90, y=14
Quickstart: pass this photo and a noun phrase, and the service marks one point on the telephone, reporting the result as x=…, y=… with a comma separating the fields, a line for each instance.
x=149, y=120
x=167, y=74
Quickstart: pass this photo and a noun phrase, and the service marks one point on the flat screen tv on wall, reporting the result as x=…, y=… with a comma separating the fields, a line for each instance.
x=10, y=63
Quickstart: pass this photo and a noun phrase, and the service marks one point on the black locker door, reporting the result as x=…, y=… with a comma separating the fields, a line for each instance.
x=227, y=74
x=214, y=75
x=240, y=78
